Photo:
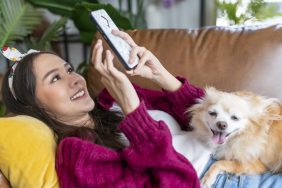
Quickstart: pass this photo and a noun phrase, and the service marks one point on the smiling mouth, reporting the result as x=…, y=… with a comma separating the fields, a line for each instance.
x=219, y=136
x=78, y=95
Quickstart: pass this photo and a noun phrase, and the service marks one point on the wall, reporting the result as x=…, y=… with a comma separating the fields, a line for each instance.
x=182, y=14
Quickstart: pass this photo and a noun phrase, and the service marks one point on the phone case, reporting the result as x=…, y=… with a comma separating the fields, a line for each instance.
x=120, y=47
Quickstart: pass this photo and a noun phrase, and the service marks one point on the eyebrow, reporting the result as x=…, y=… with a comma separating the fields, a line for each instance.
x=52, y=71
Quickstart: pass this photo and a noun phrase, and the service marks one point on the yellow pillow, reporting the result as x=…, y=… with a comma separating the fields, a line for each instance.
x=27, y=152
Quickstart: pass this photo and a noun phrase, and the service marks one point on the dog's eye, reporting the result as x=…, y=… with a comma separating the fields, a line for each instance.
x=212, y=113
x=235, y=118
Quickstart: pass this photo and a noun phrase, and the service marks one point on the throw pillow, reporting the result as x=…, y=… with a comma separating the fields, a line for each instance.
x=27, y=152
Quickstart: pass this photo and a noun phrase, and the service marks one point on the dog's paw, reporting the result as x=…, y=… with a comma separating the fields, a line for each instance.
x=209, y=179
x=206, y=183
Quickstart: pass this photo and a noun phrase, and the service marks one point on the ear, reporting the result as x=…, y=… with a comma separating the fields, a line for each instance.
x=210, y=90
x=195, y=107
x=210, y=94
x=273, y=108
x=267, y=106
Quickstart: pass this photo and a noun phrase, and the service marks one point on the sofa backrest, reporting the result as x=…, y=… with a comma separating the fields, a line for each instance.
x=230, y=59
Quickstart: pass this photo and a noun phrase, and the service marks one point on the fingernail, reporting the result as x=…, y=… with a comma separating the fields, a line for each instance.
x=108, y=52
x=98, y=42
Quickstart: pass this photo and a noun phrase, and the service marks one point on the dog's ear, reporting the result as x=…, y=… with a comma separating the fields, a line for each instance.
x=269, y=108
x=273, y=108
x=210, y=94
x=210, y=90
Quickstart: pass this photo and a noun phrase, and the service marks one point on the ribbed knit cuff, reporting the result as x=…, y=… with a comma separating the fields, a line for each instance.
x=105, y=99
x=138, y=125
x=186, y=94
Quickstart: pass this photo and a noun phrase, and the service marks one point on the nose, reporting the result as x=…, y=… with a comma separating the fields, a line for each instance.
x=74, y=79
x=222, y=125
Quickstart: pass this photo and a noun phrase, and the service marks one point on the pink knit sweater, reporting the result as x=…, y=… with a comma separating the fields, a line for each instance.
x=149, y=160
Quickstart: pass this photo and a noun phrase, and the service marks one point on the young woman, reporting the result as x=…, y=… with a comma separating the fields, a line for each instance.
x=97, y=147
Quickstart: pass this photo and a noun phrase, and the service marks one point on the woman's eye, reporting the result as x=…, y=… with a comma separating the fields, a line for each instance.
x=55, y=78
x=70, y=70
x=213, y=113
x=235, y=118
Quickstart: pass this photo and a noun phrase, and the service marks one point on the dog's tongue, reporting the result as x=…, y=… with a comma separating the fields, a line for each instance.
x=218, y=138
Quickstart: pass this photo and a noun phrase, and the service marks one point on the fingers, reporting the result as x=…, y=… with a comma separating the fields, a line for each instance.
x=135, y=53
x=109, y=72
x=94, y=51
x=109, y=63
x=146, y=55
x=102, y=66
x=97, y=56
x=124, y=36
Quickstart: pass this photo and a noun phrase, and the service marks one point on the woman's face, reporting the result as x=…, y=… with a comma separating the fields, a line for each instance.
x=60, y=90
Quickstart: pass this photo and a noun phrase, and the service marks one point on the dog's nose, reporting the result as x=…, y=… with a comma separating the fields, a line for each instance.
x=222, y=125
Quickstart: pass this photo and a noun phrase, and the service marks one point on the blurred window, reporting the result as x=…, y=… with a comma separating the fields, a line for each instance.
x=248, y=12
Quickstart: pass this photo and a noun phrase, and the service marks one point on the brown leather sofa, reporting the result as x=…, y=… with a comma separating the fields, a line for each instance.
x=241, y=58
x=230, y=59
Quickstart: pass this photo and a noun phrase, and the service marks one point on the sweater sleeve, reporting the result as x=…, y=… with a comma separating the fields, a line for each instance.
x=149, y=160
x=182, y=99
x=80, y=163
x=174, y=103
x=151, y=148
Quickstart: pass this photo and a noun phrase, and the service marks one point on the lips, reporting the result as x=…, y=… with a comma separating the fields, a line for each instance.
x=80, y=93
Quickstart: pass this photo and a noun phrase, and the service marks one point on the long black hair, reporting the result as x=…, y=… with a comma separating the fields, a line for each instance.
x=24, y=84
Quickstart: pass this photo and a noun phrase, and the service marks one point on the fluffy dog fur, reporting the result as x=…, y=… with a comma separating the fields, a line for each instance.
x=242, y=130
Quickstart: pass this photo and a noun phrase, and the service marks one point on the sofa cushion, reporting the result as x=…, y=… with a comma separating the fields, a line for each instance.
x=27, y=152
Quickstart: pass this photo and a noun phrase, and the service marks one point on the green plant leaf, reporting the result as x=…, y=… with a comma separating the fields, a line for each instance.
x=18, y=19
x=260, y=10
x=3, y=110
x=256, y=10
x=61, y=7
x=51, y=34
x=87, y=28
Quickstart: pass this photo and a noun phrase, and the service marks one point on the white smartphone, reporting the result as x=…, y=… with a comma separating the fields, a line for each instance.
x=121, y=48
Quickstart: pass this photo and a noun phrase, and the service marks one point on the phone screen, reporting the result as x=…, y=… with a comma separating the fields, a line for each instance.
x=121, y=48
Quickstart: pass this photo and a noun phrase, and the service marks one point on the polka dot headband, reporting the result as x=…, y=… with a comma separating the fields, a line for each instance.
x=14, y=55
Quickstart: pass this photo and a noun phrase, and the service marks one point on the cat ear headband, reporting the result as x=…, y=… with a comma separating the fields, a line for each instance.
x=14, y=55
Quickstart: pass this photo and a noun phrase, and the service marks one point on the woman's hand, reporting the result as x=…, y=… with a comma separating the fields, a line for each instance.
x=117, y=83
x=4, y=183
x=149, y=66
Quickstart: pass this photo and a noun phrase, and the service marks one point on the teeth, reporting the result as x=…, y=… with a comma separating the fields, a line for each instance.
x=79, y=94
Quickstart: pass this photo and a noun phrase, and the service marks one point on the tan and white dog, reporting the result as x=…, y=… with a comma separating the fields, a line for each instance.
x=242, y=130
